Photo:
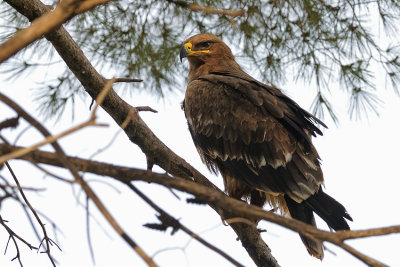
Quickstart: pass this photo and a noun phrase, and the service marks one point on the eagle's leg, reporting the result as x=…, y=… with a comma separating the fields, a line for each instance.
x=257, y=198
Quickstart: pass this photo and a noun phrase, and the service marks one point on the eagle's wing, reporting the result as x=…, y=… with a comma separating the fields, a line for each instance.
x=254, y=132
x=283, y=108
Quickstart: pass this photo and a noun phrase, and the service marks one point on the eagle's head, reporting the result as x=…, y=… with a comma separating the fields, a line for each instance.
x=205, y=47
x=206, y=54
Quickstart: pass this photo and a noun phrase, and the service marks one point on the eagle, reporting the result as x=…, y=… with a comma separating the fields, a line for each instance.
x=256, y=137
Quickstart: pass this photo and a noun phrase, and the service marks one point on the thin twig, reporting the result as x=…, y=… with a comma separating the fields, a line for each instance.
x=47, y=172
x=46, y=237
x=366, y=259
x=49, y=139
x=72, y=168
x=127, y=80
x=146, y=108
x=207, y=9
x=164, y=214
x=24, y=206
x=25, y=188
x=11, y=232
x=240, y=220
x=14, y=195
x=88, y=236
x=11, y=237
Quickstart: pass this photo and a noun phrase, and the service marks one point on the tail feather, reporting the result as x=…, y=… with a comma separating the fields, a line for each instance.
x=331, y=211
x=305, y=214
x=326, y=207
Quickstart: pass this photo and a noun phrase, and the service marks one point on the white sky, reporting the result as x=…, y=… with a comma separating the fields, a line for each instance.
x=360, y=164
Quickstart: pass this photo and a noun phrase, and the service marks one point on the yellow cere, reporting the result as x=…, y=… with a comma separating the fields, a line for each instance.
x=189, y=47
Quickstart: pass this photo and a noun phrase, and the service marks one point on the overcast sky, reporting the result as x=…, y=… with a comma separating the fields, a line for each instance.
x=360, y=164
x=359, y=159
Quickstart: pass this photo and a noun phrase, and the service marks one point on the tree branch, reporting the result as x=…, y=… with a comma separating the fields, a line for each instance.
x=207, y=9
x=12, y=233
x=64, y=11
x=177, y=224
x=46, y=238
x=228, y=206
x=72, y=168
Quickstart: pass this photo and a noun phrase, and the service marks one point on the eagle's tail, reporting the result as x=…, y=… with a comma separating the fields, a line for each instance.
x=331, y=211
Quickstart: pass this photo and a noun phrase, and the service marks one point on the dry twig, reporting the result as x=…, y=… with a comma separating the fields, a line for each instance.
x=12, y=233
x=46, y=238
x=9, y=123
x=176, y=225
x=207, y=9
x=62, y=156
x=49, y=138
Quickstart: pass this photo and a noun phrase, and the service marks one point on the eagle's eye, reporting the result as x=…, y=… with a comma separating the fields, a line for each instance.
x=204, y=45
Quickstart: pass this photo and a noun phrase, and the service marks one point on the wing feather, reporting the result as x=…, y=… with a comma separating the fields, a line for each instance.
x=244, y=128
x=272, y=100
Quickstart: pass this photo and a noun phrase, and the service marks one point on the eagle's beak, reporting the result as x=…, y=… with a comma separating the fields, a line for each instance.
x=185, y=50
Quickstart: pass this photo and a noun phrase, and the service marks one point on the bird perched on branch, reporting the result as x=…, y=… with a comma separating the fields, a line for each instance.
x=256, y=137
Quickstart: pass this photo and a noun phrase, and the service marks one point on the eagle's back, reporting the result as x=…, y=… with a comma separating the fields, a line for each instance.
x=239, y=132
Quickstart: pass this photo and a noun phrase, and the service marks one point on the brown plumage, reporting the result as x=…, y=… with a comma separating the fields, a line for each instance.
x=256, y=137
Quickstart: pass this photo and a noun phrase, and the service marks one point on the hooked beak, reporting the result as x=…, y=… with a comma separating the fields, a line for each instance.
x=183, y=53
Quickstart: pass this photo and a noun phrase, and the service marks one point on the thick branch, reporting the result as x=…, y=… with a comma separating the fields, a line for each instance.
x=136, y=130
x=65, y=10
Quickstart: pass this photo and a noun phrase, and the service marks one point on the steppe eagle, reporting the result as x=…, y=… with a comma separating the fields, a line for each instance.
x=256, y=137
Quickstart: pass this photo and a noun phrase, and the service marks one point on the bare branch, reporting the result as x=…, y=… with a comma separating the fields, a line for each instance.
x=127, y=80
x=88, y=236
x=177, y=224
x=229, y=207
x=12, y=233
x=50, y=138
x=53, y=138
x=207, y=9
x=86, y=5
x=9, y=123
x=12, y=237
x=146, y=108
x=72, y=168
x=46, y=237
